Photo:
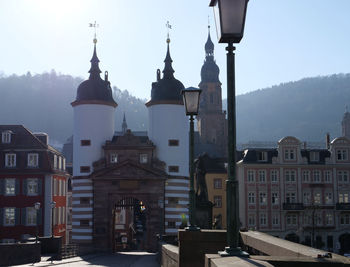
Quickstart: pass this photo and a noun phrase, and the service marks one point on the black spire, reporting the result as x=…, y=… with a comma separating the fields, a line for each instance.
x=168, y=71
x=94, y=70
x=124, y=125
x=209, y=45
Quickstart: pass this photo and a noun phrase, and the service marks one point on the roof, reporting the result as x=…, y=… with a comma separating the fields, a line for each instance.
x=130, y=139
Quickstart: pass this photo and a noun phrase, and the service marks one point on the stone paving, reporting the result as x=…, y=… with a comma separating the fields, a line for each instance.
x=122, y=259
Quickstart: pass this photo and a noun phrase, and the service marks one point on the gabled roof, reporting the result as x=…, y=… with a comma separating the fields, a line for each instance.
x=129, y=169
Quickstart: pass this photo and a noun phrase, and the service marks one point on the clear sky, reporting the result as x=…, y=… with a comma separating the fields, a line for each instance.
x=284, y=40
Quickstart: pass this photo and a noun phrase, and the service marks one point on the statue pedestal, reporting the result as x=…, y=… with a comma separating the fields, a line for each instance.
x=204, y=214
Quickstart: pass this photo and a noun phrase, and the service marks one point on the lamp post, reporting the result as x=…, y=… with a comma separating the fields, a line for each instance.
x=230, y=19
x=191, y=100
x=37, y=208
x=53, y=205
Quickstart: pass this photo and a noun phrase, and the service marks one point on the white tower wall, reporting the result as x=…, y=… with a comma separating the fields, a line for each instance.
x=95, y=123
x=168, y=121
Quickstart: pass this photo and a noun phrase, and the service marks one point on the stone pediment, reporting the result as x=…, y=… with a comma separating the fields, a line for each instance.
x=127, y=170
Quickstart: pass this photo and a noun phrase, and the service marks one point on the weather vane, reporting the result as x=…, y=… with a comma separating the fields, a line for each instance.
x=168, y=26
x=94, y=25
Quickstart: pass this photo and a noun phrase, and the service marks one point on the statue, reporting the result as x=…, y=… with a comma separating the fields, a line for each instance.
x=201, y=185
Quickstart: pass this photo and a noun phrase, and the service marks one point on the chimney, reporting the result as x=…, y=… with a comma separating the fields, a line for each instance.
x=327, y=140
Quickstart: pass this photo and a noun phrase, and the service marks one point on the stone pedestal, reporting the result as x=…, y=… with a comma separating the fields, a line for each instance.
x=204, y=214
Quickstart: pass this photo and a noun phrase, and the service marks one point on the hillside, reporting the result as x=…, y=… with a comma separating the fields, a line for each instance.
x=306, y=109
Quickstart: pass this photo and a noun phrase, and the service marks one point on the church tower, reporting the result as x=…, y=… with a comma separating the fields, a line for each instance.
x=93, y=112
x=345, y=124
x=211, y=121
x=168, y=130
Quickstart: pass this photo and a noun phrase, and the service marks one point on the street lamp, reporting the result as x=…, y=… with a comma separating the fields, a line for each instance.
x=191, y=100
x=37, y=208
x=230, y=19
x=53, y=205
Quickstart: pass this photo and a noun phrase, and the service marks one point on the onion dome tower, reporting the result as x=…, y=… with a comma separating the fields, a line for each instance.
x=346, y=123
x=211, y=121
x=168, y=124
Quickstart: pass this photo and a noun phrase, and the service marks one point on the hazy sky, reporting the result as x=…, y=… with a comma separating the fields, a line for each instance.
x=284, y=40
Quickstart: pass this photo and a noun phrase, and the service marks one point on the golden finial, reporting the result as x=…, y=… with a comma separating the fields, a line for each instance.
x=168, y=26
x=94, y=25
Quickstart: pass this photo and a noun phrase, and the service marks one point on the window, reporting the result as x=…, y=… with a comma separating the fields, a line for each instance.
x=84, y=222
x=263, y=219
x=317, y=198
x=32, y=187
x=251, y=176
x=171, y=224
x=318, y=218
x=275, y=219
x=307, y=219
x=114, y=158
x=290, y=175
x=262, y=176
x=173, y=200
x=274, y=198
x=314, y=156
x=289, y=154
x=85, y=142
x=290, y=197
x=262, y=198
x=10, y=187
x=262, y=156
x=30, y=216
x=84, y=169
x=33, y=160
x=143, y=158
x=274, y=176
x=343, y=176
x=217, y=183
x=342, y=154
x=217, y=201
x=307, y=197
x=343, y=198
x=329, y=198
x=173, y=142
x=328, y=176
x=329, y=218
x=84, y=200
x=9, y=217
x=251, y=220
x=316, y=176
x=10, y=160
x=306, y=176
x=291, y=219
x=6, y=137
x=251, y=198
x=345, y=219
x=173, y=168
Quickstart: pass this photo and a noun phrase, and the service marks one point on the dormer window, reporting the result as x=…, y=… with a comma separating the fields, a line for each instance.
x=114, y=158
x=6, y=137
x=314, y=156
x=342, y=154
x=33, y=160
x=289, y=154
x=143, y=158
x=262, y=156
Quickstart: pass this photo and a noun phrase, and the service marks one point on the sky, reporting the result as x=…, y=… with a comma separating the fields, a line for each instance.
x=284, y=40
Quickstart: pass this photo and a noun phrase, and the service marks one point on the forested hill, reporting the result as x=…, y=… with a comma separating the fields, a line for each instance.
x=306, y=109
x=42, y=103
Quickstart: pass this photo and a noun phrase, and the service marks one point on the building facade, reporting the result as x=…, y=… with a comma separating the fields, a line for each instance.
x=30, y=171
x=297, y=193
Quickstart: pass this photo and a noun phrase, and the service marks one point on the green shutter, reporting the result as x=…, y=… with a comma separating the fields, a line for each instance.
x=17, y=216
x=1, y=216
x=25, y=187
x=2, y=186
x=24, y=216
x=40, y=216
x=40, y=186
x=17, y=187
